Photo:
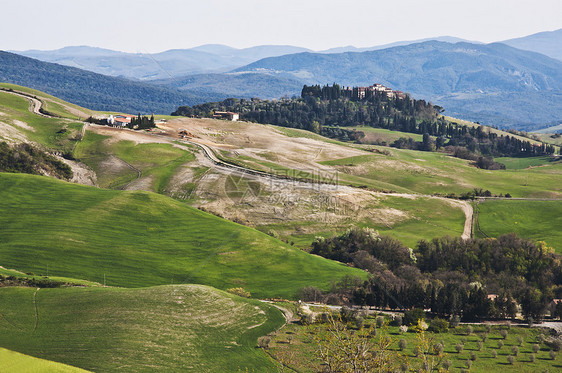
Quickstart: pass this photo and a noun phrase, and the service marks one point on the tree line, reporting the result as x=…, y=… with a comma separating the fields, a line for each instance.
x=325, y=110
x=448, y=276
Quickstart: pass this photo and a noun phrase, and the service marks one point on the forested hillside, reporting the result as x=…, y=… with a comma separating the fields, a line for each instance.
x=91, y=90
x=328, y=110
x=493, y=83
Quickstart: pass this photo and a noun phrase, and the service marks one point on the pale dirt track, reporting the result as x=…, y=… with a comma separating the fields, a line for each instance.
x=34, y=103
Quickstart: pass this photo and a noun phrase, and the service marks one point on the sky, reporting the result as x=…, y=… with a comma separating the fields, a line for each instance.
x=154, y=26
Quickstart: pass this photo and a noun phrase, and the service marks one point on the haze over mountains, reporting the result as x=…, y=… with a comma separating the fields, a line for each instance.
x=211, y=58
x=495, y=83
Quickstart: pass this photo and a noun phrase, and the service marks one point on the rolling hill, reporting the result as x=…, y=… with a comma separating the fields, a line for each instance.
x=494, y=84
x=166, y=328
x=138, y=239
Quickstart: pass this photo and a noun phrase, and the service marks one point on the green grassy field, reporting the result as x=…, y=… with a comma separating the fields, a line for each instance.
x=54, y=133
x=166, y=328
x=538, y=220
x=295, y=345
x=430, y=172
x=156, y=161
x=11, y=361
x=521, y=163
x=53, y=104
x=141, y=239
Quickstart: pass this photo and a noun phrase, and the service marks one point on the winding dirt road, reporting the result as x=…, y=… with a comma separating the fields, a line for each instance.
x=209, y=153
x=34, y=103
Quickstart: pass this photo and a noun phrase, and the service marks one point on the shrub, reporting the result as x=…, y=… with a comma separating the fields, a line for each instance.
x=552, y=355
x=468, y=363
x=503, y=334
x=438, y=349
x=438, y=325
x=403, y=329
x=447, y=364
x=414, y=316
x=484, y=337
x=417, y=351
x=532, y=358
x=536, y=348
x=494, y=354
x=397, y=320
x=306, y=319
x=488, y=328
x=347, y=314
x=380, y=321
x=473, y=356
x=515, y=350
x=520, y=340
x=480, y=344
x=240, y=292
x=510, y=359
x=359, y=322
x=540, y=338
x=459, y=347
x=469, y=330
x=500, y=344
x=263, y=342
x=555, y=344
x=454, y=321
x=402, y=344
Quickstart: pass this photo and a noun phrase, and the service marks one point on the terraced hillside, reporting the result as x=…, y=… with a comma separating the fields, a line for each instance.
x=188, y=328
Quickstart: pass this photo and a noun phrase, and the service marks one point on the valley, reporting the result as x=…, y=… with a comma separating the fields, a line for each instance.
x=133, y=229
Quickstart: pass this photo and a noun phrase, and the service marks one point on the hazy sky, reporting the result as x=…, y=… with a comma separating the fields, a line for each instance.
x=153, y=26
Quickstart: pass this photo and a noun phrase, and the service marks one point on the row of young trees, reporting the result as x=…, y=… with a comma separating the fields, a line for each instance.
x=142, y=122
x=449, y=276
x=322, y=109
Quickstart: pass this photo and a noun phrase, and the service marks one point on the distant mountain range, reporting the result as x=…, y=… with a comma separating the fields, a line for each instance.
x=169, y=64
x=548, y=43
x=91, y=90
x=242, y=85
x=514, y=84
x=175, y=63
x=492, y=83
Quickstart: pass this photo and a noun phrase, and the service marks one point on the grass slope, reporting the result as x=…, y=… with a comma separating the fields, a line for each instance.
x=158, y=162
x=539, y=220
x=430, y=172
x=12, y=361
x=55, y=133
x=166, y=328
x=53, y=104
x=141, y=239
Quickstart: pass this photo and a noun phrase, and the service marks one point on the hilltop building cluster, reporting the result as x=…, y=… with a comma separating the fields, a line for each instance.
x=336, y=91
x=360, y=93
